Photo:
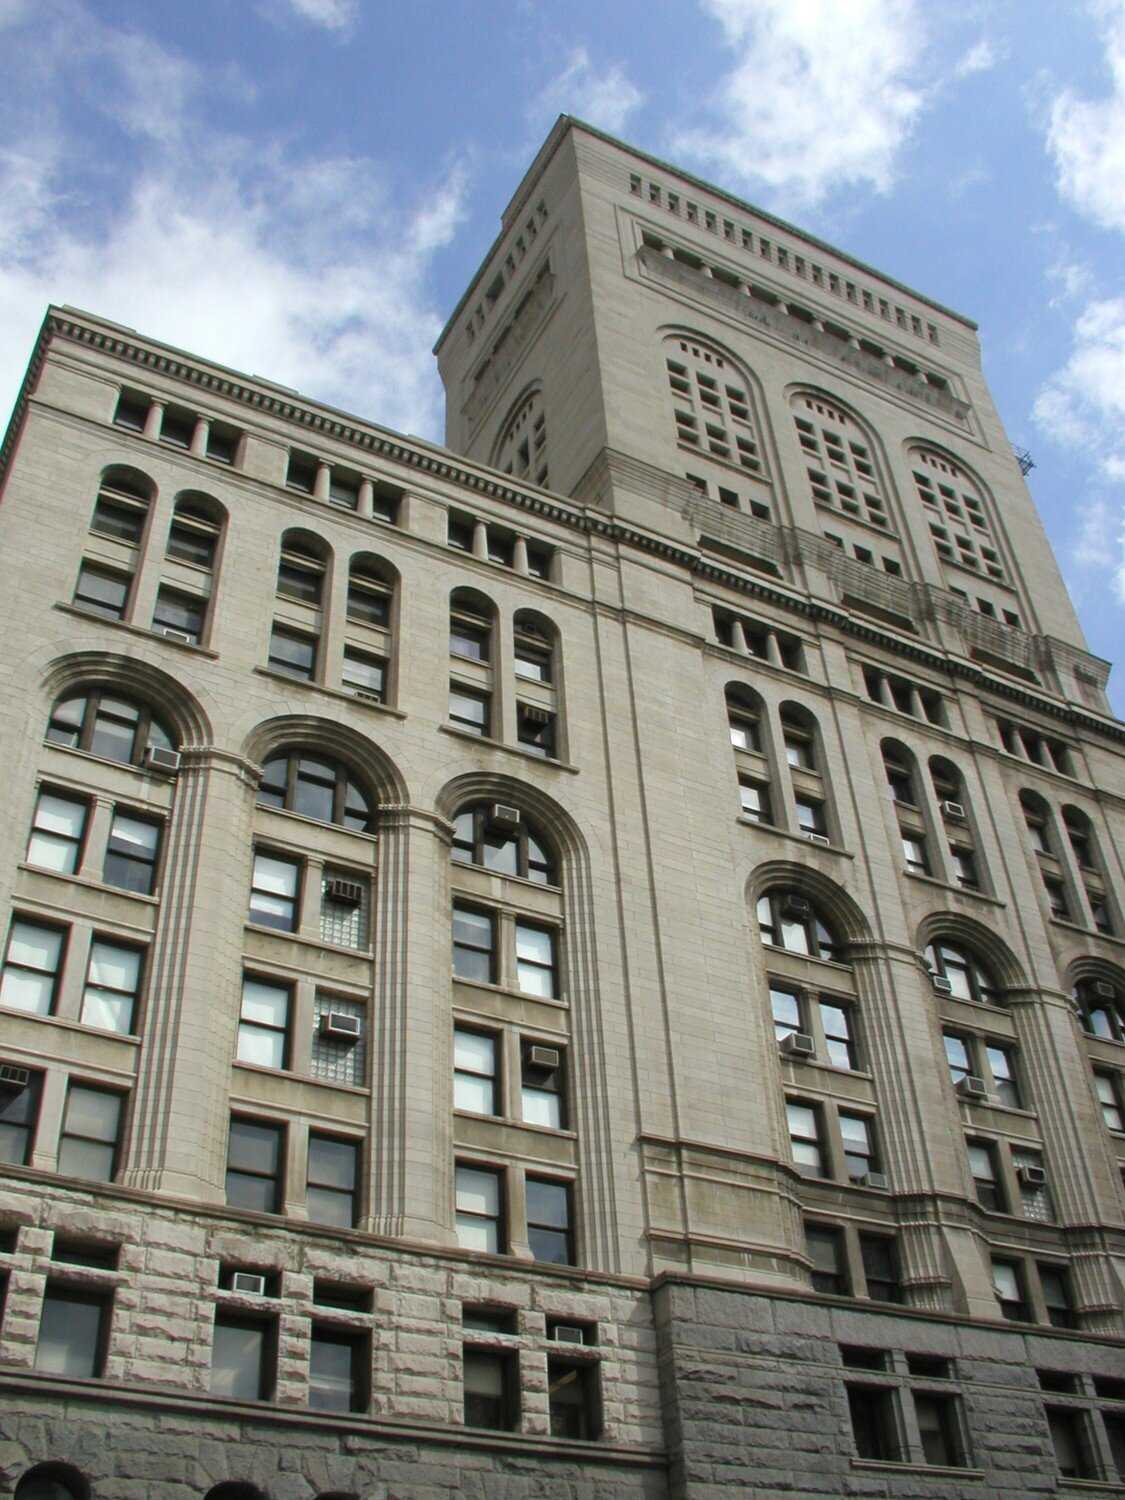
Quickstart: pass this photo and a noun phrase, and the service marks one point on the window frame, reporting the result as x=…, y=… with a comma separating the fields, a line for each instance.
x=297, y=865
x=346, y=783
x=142, y=732
x=76, y=1086
x=278, y=1130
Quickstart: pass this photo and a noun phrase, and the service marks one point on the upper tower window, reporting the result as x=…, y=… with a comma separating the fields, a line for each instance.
x=522, y=449
x=711, y=404
x=840, y=463
x=956, y=513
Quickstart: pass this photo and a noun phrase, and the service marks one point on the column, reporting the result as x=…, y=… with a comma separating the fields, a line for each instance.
x=322, y=482
x=519, y=558
x=480, y=540
x=366, y=499
x=153, y=420
x=200, y=433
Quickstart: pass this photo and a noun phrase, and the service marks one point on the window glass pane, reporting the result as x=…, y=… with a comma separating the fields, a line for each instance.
x=802, y=1120
x=236, y=1360
x=1006, y=1282
x=542, y=1107
x=265, y=1049
x=474, y=1094
x=57, y=835
x=332, y=1163
x=794, y=936
x=92, y=1113
x=316, y=788
x=474, y=1052
x=131, y=836
x=478, y=1192
x=31, y=992
x=278, y=876
x=330, y=1373
x=477, y=1234
x=35, y=947
x=115, y=968
x=268, y=1003
x=534, y=944
x=254, y=1148
x=70, y=1336
x=786, y=1012
x=548, y=1203
x=86, y=1159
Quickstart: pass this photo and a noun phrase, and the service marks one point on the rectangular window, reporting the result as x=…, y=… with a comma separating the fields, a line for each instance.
x=131, y=854
x=543, y=1085
x=839, y=1034
x=254, y=1157
x=339, y=1057
x=490, y=1390
x=182, y=613
x=1007, y=1282
x=535, y=730
x=829, y=1266
x=810, y=817
x=474, y=1072
x=300, y=578
x=345, y=902
x=273, y=892
x=755, y=799
x=103, y=591
x=337, y=1369
x=1001, y=1060
x=873, y=1423
x=572, y=1395
x=1071, y=1443
x=532, y=661
x=113, y=981
x=58, y=829
x=879, y=1254
x=19, y=1111
x=1055, y=1285
x=32, y=967
x=479, y=1203
x=332, y=1191
x=799, y=751
x=860, y=1157
x=957, y=1056
x=474, y=944
x=292, y=652
x=73, y=1332
x=982, y=1164
x=535, y=960
x=90, y=1131
x=786, y=1008
x=549, y=1221
x=964, y=867
x=469, y=710
x=939, y=1429
x=263, y=1027
x=804, y=1138
x=468, y=638
x=744, y=734
x=914, y=852
x=1109, y=1099
x=192, y=541
x=366, y=674
x=242, y=1358
x=368, y=603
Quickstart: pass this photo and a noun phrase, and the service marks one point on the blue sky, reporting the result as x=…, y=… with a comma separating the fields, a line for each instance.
x=301, y=188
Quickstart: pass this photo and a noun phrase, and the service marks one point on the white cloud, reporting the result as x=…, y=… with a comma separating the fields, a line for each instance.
x=311, y=270
x=1073, y=278
x=605, y=98
x=1099, y=546
x=980, y=58
x=1083, y=404
x=821, y=95
x=1086, y=137
x=333, y=15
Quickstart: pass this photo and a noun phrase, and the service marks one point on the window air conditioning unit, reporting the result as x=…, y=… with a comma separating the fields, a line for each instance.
x=942, y=986
x=534, y=714
x=1104, y=990
x=346, y=892
x=1031, y=1176
x=367, y=695
x=12, y=1077
x=250, y=1282
x=971, y=1087
x=543, y=1057
x=340, y=1027
x=818, y=838
x=159, y=759
x=568, y=1333
x=798, y=1043
x=875, y=1180
x=178, y=635
x=503, y=817
x=954, y=811
x=796, y=907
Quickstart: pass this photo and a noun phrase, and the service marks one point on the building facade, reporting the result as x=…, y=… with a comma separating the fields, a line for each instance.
x=588, y=961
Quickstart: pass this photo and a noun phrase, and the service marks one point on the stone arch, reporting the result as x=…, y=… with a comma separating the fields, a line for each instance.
x=130, y=480
x=984, y=944
x=133, y=678
x=53, y=1481
x=328, y=737
x=522, y=411
x=551, y=818
x=839, y=911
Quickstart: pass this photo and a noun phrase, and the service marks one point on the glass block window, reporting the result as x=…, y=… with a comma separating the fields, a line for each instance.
x=955, y=511
x=339, y=1061
x=839, y=463
x=711, y=405
x=345, y=909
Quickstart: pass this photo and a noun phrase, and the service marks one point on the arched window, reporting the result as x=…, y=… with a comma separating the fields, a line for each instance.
x=302, y=567
x=960, y=973
x=121, y=509
x=953, y=804
x=534, y=647
x=711, y=403
x=746, y=718
x=1037, y=816
x=316, y=786
x=839, y=459
x=1101, y=1007
x=810, y=797
x=1083, y=843
x=52, y=1481
x=899, y=765
x=106, y=723
x=501, y=838
x=197, y=525
x=522, y=447
x=472, y=643
x=787, y=919
x=367, y=654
